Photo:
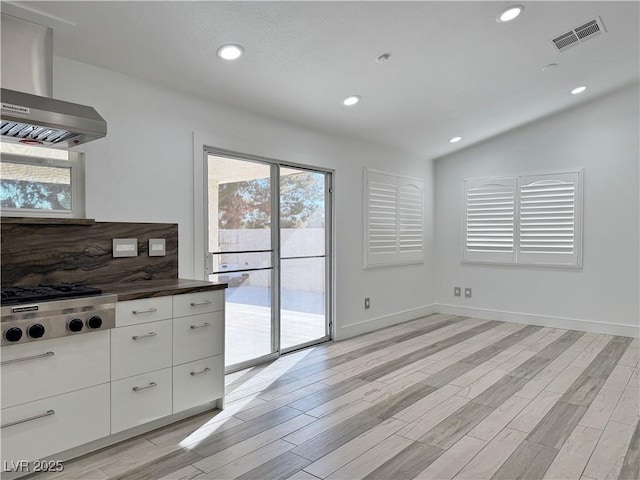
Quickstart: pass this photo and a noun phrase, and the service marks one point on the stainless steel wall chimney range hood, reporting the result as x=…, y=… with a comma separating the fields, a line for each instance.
x=29, y=114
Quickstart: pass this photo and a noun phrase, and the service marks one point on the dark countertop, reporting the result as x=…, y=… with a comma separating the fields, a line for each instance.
x=159, y=288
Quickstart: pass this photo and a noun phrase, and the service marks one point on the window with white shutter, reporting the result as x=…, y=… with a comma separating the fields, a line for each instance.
x=490, y=220
x=550, y=219
x=394, y=219
x=525, y=220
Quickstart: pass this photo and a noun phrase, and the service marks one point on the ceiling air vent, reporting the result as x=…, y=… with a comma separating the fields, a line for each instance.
x=578, y=35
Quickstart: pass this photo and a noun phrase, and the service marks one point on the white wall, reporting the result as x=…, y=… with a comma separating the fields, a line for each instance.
x=143, y=171
x=603, y=138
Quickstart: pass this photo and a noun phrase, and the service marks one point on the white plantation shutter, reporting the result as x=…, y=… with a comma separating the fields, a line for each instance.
x=524, y=220
x=394, y=216
x=489, y=220
x=410, y=216
x=383, y=209
x=550, y=219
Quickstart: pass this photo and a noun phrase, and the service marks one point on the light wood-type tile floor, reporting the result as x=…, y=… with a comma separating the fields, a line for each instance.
x=442, y=397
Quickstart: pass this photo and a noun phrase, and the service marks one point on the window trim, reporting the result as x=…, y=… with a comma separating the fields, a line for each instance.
x=77, y=171
x=399, y=259
x=578, y=220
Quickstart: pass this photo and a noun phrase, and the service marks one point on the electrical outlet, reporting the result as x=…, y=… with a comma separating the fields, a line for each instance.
x=456, y=291
x=367, y=303
x=467, y=292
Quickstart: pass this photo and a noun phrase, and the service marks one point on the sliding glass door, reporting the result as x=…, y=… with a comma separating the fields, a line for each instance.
x=303, y=257
x=242, y=254
x=269, y=239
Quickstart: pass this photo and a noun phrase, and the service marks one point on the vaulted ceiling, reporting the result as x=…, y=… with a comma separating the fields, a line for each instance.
x=453, y=69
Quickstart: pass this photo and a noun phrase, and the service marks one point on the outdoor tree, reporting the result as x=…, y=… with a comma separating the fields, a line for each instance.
x=247, y=204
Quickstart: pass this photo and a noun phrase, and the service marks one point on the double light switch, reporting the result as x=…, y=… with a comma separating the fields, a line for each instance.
x=128, y=247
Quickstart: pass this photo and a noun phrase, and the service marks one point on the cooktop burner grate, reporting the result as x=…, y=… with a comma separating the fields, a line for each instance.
x=39, y=293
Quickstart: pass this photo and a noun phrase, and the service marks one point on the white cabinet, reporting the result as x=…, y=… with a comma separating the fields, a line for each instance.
x=197, y=382
x=140, y=348
x=41, y=369
x=55, y=395
x=198, y=336
x=196, y=303
x=141, y=360
x=198, y=349
x=140, y=399
x=164, y=359
x=37, y=429
x=133, y=312
x=166, y=355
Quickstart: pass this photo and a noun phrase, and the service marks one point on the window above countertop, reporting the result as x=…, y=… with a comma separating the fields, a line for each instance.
x=41, y=182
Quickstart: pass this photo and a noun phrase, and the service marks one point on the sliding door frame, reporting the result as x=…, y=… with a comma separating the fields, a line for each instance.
x=201, y=238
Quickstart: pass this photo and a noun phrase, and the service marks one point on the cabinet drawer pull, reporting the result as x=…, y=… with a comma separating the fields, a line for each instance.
x=24, y=359
x=148, y=310
x=151, y=385
x=25, y=420
x=207, y=369
x=150, y=334
x=197, y=304
x=205, y=324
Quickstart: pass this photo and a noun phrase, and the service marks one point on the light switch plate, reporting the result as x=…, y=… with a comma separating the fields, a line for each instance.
x=157, y=247
x=467, y=292
x=125, y=247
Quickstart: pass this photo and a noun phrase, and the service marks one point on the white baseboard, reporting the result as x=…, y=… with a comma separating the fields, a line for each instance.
x=372, y=324
x=541, y=320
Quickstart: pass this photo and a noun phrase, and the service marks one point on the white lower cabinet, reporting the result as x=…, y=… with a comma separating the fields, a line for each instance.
x=51, y=367
x=140, y=399
x=134, y=312
x=166, y=366
x=197, y=336
x=140, y=348
x=166, y=355
x=197, y=382
x=197, y=303
x=37, y=429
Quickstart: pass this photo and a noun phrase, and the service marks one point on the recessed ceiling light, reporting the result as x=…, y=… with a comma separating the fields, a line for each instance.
x=455, y=139
x=510, y=13
x=350, y=101
x=383, y=58
x=230, y=52
x=551, y=66
x=578, y=90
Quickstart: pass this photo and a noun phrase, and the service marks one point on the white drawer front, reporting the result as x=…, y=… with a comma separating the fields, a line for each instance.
x=42, y=369
x=79, y=417
x=133, y=312
x=198, y=336
x=150, y=400
x=197, y=303
x=197, y=383
x=140, y=348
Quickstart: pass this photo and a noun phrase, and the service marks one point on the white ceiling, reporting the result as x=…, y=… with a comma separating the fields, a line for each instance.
x=453, y=70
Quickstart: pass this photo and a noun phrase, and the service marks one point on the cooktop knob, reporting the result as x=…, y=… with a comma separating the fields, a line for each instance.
x=13, y=334
x=36, y=330
x=75, y=325
x=94, y=322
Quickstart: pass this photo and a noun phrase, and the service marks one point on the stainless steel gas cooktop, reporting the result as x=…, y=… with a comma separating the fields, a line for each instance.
x=42, y=312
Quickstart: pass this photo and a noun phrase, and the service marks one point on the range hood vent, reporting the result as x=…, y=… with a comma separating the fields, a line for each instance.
x=36, y=120
x=28, y=113
x=578, y=35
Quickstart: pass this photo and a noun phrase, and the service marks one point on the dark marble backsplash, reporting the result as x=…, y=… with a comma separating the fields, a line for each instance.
x=48, y=252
